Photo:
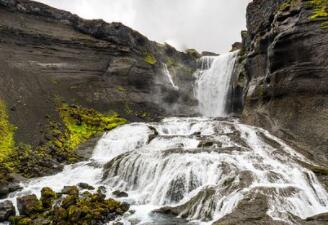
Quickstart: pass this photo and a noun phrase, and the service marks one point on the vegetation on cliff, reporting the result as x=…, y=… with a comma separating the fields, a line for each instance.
x=319, y=9
x=62, y=138
x=150, y=59
x=7, y=130
x=82, y=124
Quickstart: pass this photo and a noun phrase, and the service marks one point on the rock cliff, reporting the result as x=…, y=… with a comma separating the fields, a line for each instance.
x=59, y=70
x=283, y=72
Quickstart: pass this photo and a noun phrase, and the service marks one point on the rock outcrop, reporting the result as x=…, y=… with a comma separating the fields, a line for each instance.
x=47, y=53
x=51, y=58
x=283, y=73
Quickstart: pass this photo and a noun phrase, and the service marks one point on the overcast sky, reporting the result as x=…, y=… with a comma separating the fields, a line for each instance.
x=206, y=25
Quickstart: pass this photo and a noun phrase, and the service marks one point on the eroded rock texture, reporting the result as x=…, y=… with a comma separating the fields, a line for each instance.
x=49, y=55
x=284, y=74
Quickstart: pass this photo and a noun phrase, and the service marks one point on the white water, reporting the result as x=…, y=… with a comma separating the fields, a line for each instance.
x=213, y=83
x=169, y=76
x=201, y=168
x=173, y=168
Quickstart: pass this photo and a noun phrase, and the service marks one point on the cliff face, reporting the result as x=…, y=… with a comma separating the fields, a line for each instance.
x=284, y=72
x=48, y=55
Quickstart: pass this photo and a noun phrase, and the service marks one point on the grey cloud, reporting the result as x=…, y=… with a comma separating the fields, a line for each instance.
x=211, y=25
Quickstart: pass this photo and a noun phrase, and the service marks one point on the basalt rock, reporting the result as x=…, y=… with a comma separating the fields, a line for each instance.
x=282, y=75
x=86, y=208
x=29, y=205
x=7, y=210
x=49, y=55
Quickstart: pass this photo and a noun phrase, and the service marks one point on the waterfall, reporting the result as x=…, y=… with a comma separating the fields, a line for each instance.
x=169, y=76
x=213, y=83
x=197, y=168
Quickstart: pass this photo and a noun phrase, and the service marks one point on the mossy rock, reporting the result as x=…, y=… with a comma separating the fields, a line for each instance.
x=73, y=209
x=150, y=59
x=48, y=196
x=29, y=205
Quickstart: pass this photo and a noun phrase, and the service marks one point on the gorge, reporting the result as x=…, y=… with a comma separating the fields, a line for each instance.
x=193, y=151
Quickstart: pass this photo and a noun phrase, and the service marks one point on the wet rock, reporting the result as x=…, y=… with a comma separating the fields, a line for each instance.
x=70, y=190
x=7, y=210
x=48, y=196
x=29, y=205
x=85, y=186
x=68, y=201
x=73, y=209
x=321, y=219
x=102, y=190
x=120, y=194
x=252, y=210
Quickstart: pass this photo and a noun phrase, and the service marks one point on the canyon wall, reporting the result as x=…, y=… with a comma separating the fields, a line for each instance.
x=283, y=72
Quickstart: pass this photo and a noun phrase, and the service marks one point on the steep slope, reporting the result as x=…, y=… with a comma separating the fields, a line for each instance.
x=65, y=80
x=283, y=72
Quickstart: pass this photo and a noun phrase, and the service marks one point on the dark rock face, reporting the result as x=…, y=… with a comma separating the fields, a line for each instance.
x=7, y=210
x=283, y=74
x=48, y=54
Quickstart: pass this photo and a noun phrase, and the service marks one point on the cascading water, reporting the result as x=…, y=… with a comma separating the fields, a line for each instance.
x=196, y=168
x=213, y=83
x=169, y=76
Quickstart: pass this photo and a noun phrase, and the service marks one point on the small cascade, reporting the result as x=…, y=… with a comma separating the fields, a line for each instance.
x=169, y=76
x=213, y=82
x=197, y=168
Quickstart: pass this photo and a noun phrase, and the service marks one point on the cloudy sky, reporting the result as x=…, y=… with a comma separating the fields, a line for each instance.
x=206, y=25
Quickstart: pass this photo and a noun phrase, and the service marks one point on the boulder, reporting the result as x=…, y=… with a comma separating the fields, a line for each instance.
x=29, y=205
x=70, y=190
x=120, y=194
x=85, y=186
x=7, y=210
x=47, y=197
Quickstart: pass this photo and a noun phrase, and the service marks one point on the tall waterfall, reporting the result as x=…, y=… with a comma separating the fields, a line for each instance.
x=198, y=169
x=213, y=83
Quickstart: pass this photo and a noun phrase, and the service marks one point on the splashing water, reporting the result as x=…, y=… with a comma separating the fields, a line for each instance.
x=213, y=83
x=199, y=169
x=196, y=167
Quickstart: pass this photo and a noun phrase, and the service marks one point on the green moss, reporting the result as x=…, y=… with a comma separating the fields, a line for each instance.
x=121, y=89
x=47, y=197
x=287, y=5
x=320, y=9
x=150, y=59
x=82, y=124
x=193, y=53
x=61, y=140
x=7, y=131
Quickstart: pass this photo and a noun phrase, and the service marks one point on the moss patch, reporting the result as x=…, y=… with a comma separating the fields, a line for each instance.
x=7, y=131
x=150, y=59
x=60, y=142
x=82, y=124
x=287, y=4
x=320, y=9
